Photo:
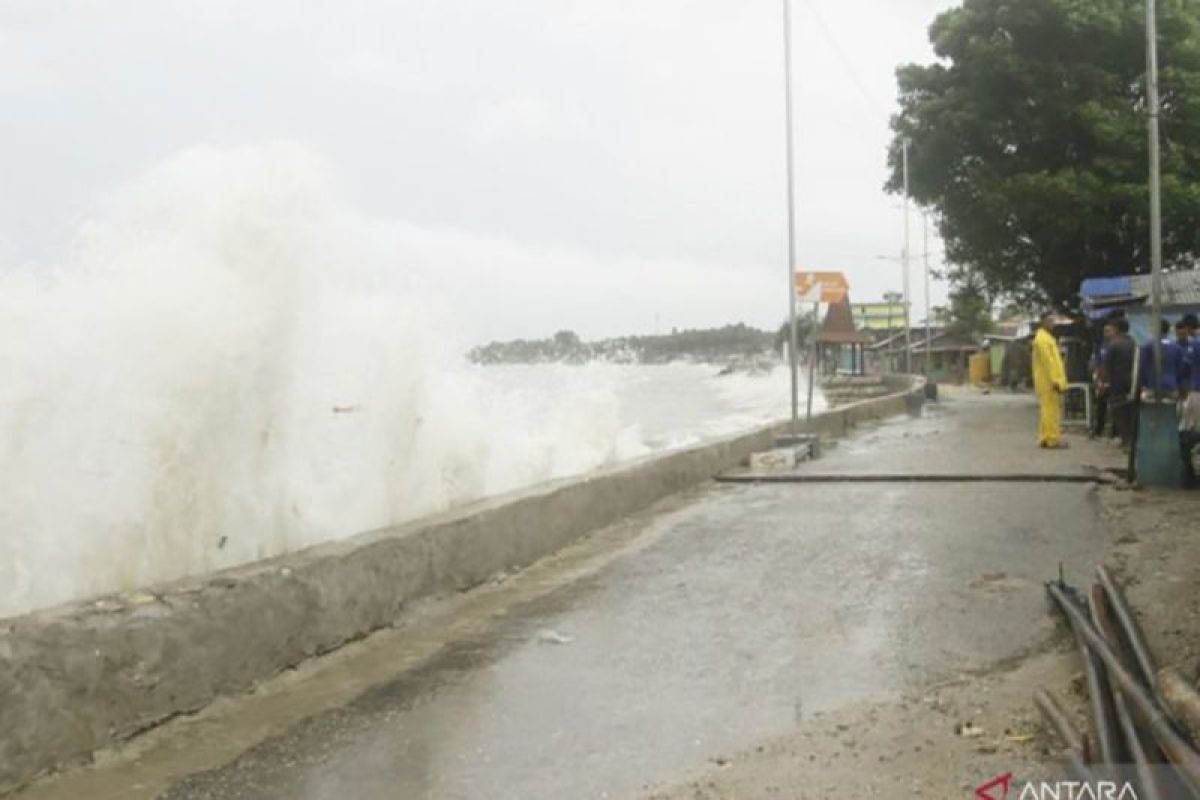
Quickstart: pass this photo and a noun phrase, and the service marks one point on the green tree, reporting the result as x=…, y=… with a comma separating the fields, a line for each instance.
x=970, y=311
x=1028, y=140
x=804, y=330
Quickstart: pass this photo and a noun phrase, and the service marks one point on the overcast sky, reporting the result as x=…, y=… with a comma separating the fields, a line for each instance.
x=603, y=165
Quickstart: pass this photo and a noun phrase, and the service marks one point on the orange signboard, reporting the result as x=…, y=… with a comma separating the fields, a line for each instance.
x=821, y=287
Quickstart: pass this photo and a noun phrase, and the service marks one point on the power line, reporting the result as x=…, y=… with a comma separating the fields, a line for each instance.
x=847, y=64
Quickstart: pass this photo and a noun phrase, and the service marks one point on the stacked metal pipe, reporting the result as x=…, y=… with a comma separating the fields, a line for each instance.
x=1141, y=718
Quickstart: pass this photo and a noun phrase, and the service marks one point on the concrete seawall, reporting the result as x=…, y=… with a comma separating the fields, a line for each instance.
x=81, y=677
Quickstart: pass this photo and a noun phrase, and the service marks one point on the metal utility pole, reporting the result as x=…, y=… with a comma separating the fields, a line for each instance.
x=890, y=344
x=791, y=215
x=928, y=307
x=904, y=265
x=814, y=355
x=1152, y=105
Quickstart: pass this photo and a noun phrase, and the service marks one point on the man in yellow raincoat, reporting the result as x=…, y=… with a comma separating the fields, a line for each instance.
x=1049, y=381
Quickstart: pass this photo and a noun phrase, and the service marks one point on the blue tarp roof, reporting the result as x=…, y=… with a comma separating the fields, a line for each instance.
x=1106, y=287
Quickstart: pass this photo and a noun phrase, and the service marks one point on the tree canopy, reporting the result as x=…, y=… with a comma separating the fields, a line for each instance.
x=805, y=325
x=970, y=311
x=1028, y=139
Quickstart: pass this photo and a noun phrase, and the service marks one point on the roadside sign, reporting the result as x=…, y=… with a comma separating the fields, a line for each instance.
x=815, y=288
x=821, y=287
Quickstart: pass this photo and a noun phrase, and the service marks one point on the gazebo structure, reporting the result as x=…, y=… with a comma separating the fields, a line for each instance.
x=841, y=347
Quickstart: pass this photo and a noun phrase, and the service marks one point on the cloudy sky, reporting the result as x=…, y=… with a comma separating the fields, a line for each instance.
x=610, y=166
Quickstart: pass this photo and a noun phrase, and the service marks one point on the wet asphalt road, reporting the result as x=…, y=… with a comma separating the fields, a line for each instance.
x=751, y=609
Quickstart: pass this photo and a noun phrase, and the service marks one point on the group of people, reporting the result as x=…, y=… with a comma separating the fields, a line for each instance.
x=1125, y=375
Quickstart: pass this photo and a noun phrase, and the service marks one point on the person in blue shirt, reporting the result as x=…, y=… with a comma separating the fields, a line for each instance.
x=1172, y=362
x=1189, y=406
x=1191, y=353
x=1183, y=338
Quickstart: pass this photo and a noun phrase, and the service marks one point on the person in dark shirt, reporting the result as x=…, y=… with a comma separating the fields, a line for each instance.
x=1183, y=338
x=1120, y=354
x=1100, y=384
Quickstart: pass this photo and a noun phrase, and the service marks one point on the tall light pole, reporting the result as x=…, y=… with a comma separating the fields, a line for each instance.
x=791, y=214
x=904, y=265
x=928, y=307
x=1152, y=107
x=1155, y=459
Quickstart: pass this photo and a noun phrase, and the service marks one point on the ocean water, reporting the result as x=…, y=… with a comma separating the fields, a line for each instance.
x=662, y=406
x=231, y=364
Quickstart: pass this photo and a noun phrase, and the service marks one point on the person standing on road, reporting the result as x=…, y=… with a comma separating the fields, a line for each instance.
x=1189, y=406
x=1172, y=366
x=1100, y=383
x=1049, y=382
x=1120, y=356
x=1183, y=338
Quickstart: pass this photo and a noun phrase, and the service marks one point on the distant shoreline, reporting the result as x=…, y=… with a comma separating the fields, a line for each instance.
x=719, y=346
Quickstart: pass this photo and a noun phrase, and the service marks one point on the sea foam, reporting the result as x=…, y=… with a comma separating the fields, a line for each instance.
x=230, y=365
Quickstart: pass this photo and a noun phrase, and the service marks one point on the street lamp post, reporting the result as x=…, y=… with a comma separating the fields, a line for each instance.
x=889, y=339
x=1152, y=107
x=904, y=264
x=928, y=308
x=791, y=214
x=1155, y=458
x=889, y=335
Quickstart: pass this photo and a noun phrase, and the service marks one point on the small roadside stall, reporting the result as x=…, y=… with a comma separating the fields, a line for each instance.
x=841, y=347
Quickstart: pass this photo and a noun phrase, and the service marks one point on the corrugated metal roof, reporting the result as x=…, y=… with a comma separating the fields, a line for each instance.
x=1102, y=295
x=915, y=333
x=1179, y=288
x=945, y=341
